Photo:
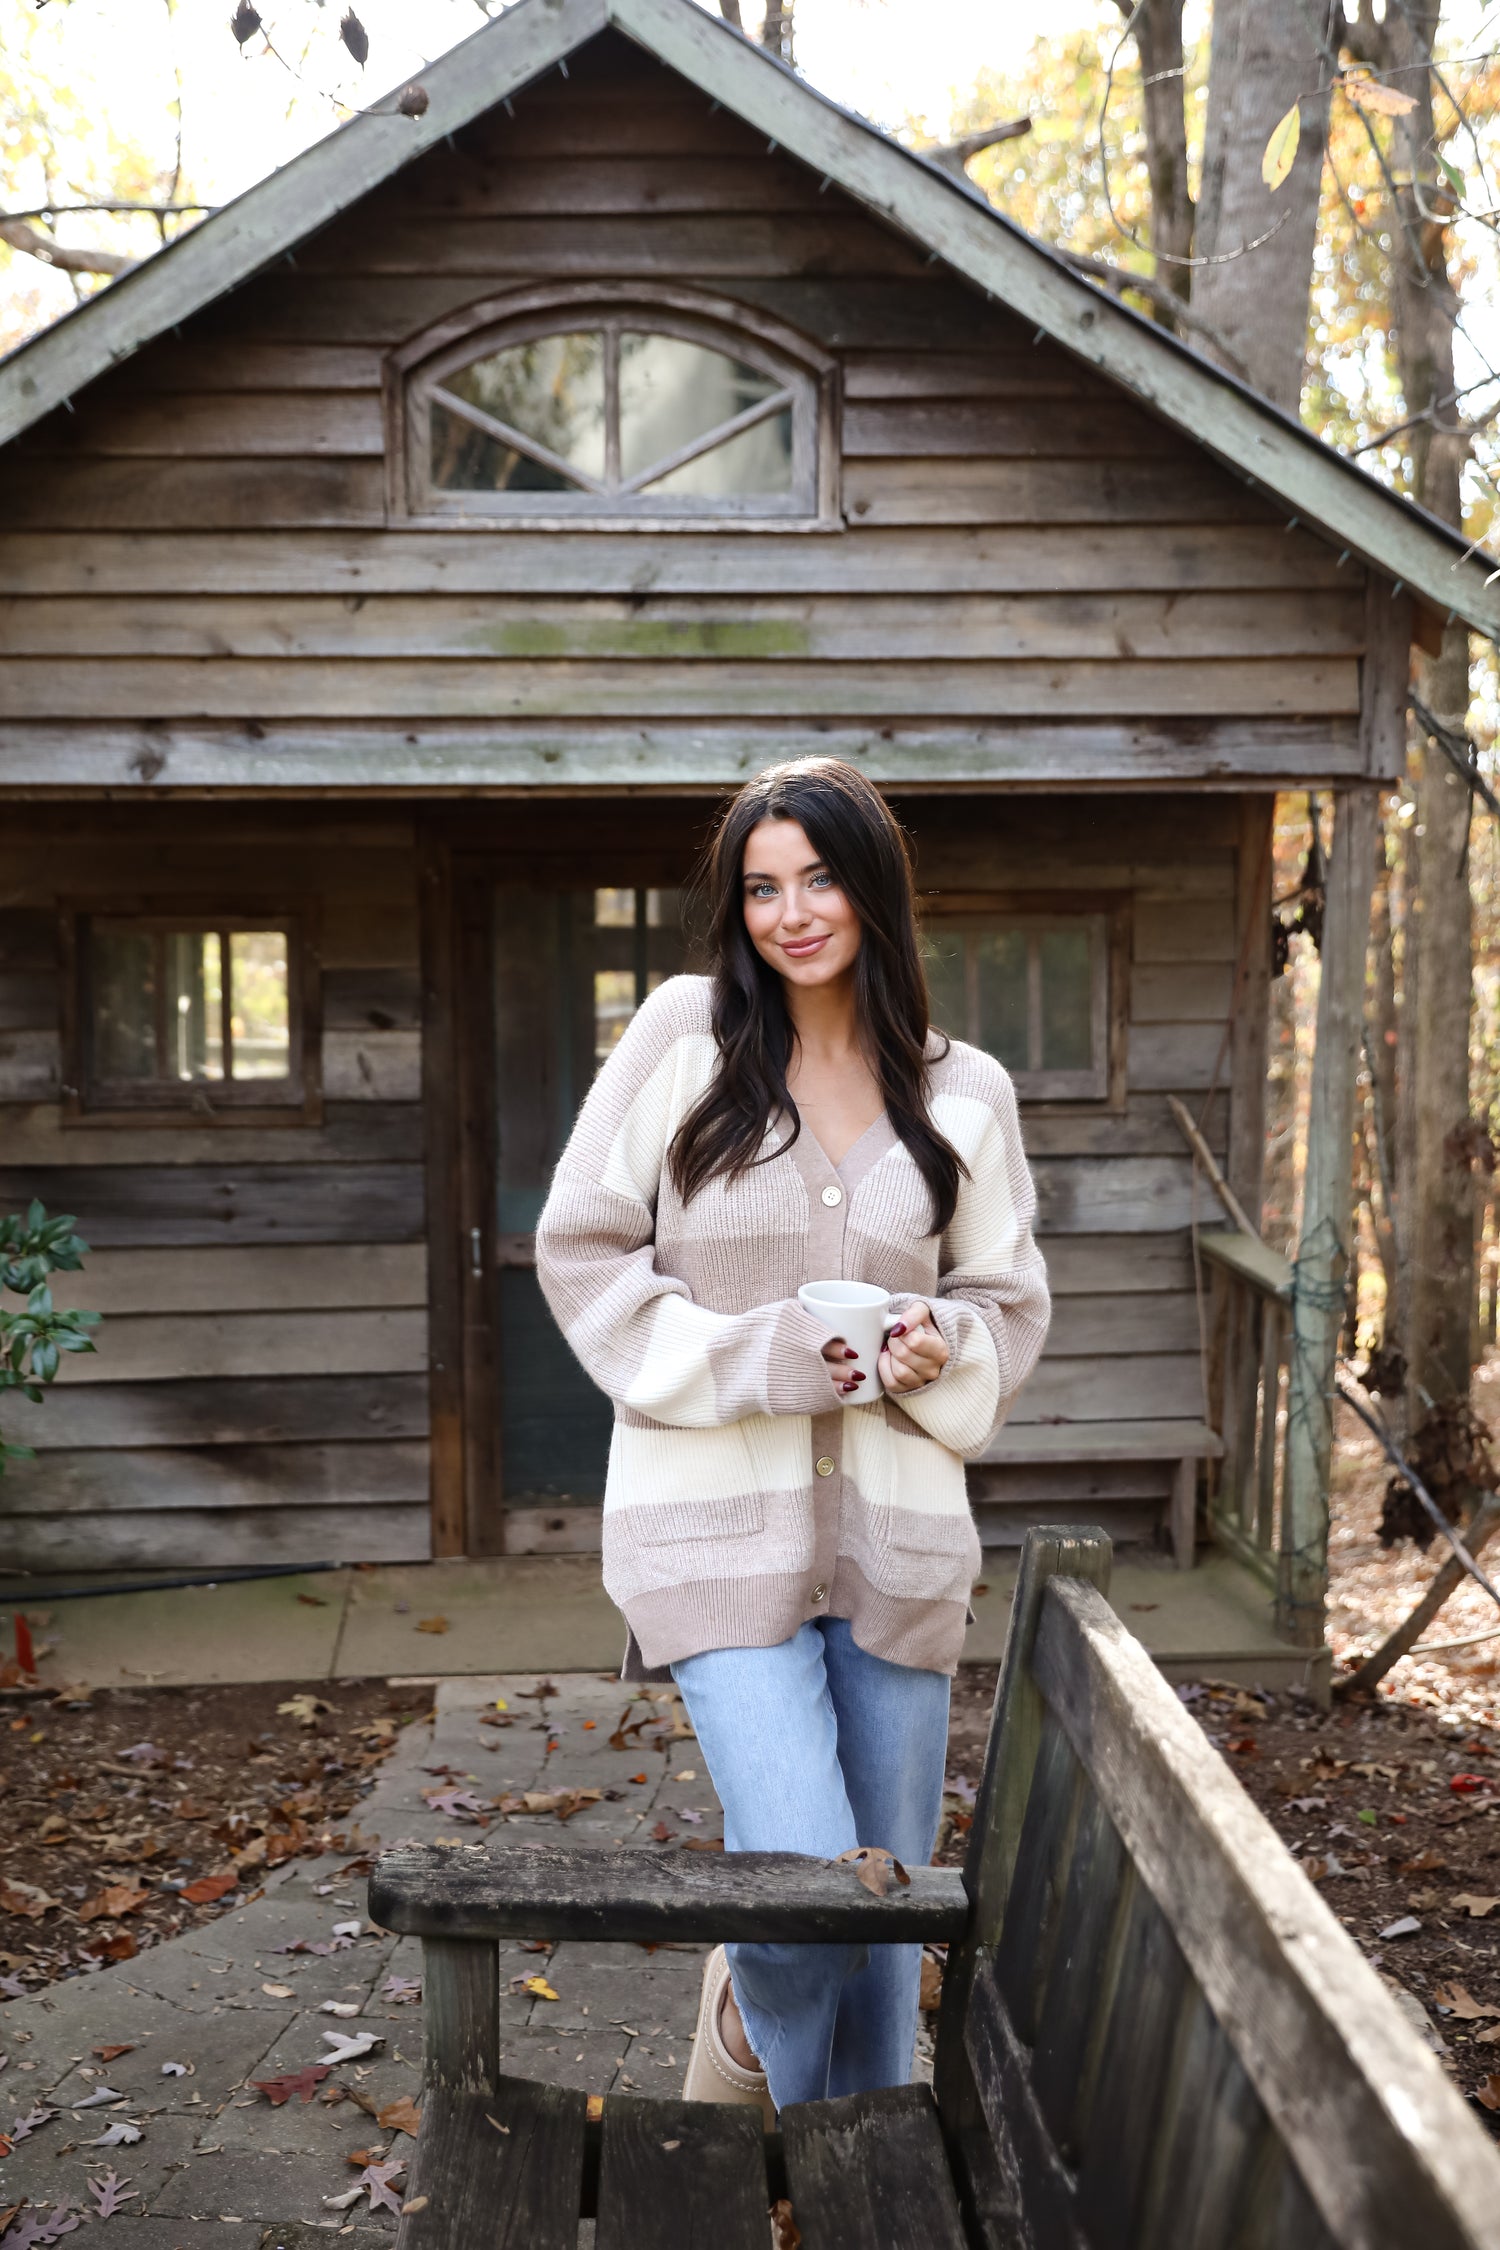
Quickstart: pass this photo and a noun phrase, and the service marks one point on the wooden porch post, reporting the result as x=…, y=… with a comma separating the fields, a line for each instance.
x=1327, y=1218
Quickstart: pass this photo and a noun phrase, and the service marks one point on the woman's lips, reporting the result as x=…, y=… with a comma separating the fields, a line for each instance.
x=801, y=949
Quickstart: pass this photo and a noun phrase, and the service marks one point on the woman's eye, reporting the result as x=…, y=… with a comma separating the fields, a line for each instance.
x=821, y=882
x=763, y=890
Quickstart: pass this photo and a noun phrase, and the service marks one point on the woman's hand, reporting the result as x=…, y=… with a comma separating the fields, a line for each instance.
x=848, y=1383
x=915, y=1353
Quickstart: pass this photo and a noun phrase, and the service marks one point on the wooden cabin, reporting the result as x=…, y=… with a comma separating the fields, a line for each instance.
x=397, y=570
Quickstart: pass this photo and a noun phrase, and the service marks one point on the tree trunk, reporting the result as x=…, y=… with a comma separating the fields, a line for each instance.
x=776, y=31
x=1439, y=1229
x=1158, y=42
x=1381, y=1056
x=1266, y=56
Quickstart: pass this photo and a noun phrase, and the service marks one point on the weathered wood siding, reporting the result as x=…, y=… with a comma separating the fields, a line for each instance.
x=260, y=1389
x=201, y=580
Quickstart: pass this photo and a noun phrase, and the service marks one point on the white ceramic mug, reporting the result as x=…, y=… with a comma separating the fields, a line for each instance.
x=861, y=1314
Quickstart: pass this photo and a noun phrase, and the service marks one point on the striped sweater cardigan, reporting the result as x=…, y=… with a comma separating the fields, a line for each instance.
x=742, y=1498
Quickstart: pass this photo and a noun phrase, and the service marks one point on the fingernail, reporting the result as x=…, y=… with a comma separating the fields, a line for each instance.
x=899, y=1329
x=850, y=1352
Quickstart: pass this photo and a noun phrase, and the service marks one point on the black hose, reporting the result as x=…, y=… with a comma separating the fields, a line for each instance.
x=167, y=1585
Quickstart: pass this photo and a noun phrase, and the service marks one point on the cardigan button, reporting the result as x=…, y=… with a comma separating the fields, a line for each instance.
x=833, y=1195
x=820, y=1593
x=825, y=1465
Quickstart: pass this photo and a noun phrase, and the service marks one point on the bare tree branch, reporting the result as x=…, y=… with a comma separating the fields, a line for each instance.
x=20, y=236
x=954, y=155
x=730, y=11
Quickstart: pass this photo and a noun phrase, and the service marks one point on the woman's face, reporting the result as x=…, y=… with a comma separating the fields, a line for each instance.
x=798, y=918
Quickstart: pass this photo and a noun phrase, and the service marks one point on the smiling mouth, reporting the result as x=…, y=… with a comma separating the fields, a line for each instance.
x=800, y=948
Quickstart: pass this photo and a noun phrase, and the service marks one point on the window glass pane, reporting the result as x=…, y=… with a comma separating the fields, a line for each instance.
x=614, y=1005
x=1067, y=1000
x=123, y=980
x=758, y=460
x=943, y=954
x=259, y=1004
x=551, y=389
x=195, y=992
x=663, y=910
x=614, y=910
x=672, y=391
x=1000, y=975
x=468, y=460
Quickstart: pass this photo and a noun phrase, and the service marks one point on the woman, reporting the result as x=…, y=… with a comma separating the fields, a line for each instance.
x=794, y=1552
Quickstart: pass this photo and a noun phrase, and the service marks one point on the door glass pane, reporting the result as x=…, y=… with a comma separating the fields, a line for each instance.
x=571, y=968
x=123, y=972
x=551, y=390
x=943, y=957
x=672, y=392
x=1067, y=1000
x=195, y=996
x=259, y=1004
x=1002, y=1000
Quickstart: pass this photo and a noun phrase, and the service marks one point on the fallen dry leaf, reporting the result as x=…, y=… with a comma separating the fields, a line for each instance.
x=111, y=2054
x=119, y=1898
x=930, y=1994
x=785, y=2234
x=301, y=2083
x=1478, y=1907
x=876, y=1867
x=702, y=1843
x=210, y=1887
x=540, y=1987
x=432, y=1625
x=25, y=1899
x=595, y=2108
x=400, y=2116
x=1461, y=2003
x=279, y=1991
x=417, y=2203
x=1489, y=2092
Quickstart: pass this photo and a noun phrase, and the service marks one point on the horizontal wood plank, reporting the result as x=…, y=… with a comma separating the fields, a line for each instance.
x=1175, y=930
x=30, y=1066
x=278, y=1410
x=259, y=424
x=558, y=1891
x=1177, y=1057
x=309, y=1277
x=1134, y=1386
x=1097, y=1327
x=98, y=1481
x=372, y=1000
x=157, y=1206
x=1119, y=1264
x=298, y=688
x=365, y=1132
x=89, y=494
x=688, y=629
x=1042, y=557
x=211, y=1540
x=1114, y=1195
x=1166, y=1438
x=933, y=490
x=29, y=1000
x=695, y=246
x=1181, y=992
x=158, y=1347
x=497, y=758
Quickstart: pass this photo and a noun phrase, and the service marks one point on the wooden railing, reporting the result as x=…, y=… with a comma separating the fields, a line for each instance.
x=1252, y=1333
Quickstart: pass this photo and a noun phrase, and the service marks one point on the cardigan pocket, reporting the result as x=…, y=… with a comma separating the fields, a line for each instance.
x=666, y=1523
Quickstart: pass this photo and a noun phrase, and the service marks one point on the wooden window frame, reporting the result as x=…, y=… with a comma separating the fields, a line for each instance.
x=810, y=375
x=1037, y=1090
x=200, y=1104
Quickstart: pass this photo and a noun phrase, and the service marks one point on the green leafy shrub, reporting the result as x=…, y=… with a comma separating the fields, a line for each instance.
x=33, y=1341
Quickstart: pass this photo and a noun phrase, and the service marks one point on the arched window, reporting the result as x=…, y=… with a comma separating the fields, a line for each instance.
x=616, y=408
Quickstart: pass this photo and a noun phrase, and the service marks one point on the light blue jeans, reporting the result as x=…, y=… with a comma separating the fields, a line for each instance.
x=815, y=1746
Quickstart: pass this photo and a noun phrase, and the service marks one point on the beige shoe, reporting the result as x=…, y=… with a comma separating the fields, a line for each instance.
x=713, y=2075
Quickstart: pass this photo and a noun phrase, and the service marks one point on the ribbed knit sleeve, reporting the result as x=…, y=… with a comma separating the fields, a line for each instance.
x=991, y=1306
x=638, y=1332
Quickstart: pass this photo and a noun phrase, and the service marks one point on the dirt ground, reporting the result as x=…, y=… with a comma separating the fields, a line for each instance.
x=132, y=1815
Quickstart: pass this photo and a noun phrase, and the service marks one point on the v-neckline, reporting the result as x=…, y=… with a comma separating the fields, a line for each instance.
x=861, y=1153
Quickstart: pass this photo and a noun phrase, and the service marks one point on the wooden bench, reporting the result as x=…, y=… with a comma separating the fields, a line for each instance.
x=1178, y=1444
x=1154, y=2035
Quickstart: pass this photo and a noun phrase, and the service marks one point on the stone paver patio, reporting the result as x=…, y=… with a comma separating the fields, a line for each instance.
x=214, y=2153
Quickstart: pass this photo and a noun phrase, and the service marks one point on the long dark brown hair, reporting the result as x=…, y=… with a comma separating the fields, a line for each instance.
x=855, y=835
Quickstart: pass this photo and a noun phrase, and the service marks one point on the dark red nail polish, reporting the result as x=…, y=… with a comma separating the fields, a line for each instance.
x=850, y=1352
x=899, y=1329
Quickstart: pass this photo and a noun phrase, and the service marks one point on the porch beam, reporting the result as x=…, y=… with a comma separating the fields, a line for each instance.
x=1322, y=1259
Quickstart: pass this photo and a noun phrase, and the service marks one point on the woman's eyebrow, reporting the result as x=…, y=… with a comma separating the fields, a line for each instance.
x=813, y=867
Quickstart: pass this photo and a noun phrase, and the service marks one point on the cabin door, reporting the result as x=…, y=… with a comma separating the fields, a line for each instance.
x=572, y=965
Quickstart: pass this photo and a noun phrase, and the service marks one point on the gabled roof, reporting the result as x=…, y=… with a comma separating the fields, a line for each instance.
x=945, y=216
